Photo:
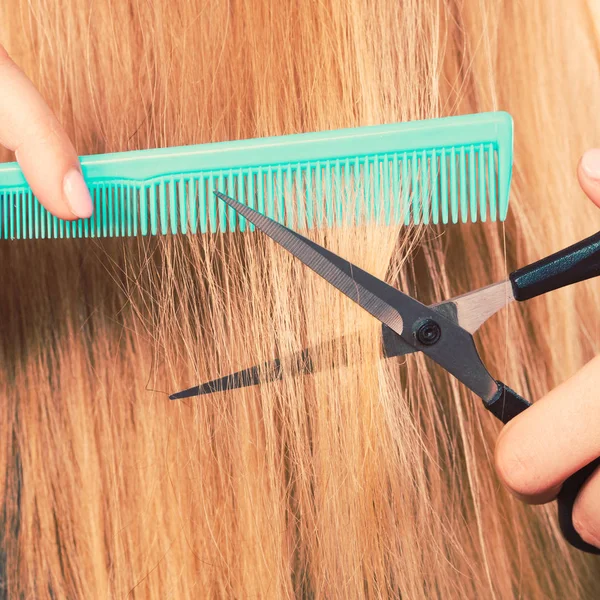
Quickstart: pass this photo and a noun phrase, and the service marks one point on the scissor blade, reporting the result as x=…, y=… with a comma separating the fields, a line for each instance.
x=469, y=311
x=475, y=308
x=301, y=363
x=454, y=350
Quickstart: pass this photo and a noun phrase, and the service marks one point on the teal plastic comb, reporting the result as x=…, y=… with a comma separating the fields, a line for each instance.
x=435, y=171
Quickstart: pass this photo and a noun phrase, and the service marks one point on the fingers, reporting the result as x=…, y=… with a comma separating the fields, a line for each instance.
x=588, y=172
x=43, y=150
x=553, y=439
x=586, y=511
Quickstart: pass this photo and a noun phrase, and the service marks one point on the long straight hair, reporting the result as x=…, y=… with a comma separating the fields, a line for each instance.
x=368, y=479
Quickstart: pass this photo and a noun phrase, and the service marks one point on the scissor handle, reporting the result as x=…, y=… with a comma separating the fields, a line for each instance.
x=576, y=263
x=506, y=405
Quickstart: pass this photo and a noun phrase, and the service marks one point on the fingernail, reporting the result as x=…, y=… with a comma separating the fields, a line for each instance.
x=77, y=194
x=590, y=163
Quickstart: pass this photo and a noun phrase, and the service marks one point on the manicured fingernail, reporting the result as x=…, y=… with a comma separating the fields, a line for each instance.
x=77, y=194
x=590, y=163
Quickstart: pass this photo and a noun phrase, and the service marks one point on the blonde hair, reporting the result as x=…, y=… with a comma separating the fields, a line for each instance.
x=373, y=479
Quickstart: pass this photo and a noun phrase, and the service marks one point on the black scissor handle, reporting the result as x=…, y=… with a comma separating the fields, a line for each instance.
x=576, y=263
x=507, y=404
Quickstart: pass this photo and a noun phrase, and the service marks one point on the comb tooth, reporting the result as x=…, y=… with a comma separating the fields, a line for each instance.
x=395, y=188
x=120, y=210
x=202, y=204
x=114, y=213
x=157, y=209
x=251, y=194
x=463, y=186
x=193, y=206
x=424, y=189
x=492, y=182
x=172, y=195
x=241, y=190
x=126, y=226
x=30, y=214
x=288, y=198
x=376, y=189
x=21, y=215
x=328, y=194
x=383, y=176
x=224, y=184
x=212, y=215
x=368, y=213
x=405, y=189
x=108, y=199
x=11, y=221
x=279, y=205
x=386, y=168
x=27, y=215
x=472, y=186
x=135, y=205
x=99, y=220
x=232, y=185
x=270, y=194
x=504, y=155
x=337, y=196
x=222, y=206
x=453, y=186
x=36, y=218
x=482, y=193
x=300, y=205
x=165, y=202
x=104, y=211
x=357, y=190
x=126, y=210
x=310, y=205
x=319, y=193
x=416, y=189
x=41, y=216
x=260, y=185
x=444, y=185
x=17, y=215
x=433, y=172
x=143, y=196
x=186, y=204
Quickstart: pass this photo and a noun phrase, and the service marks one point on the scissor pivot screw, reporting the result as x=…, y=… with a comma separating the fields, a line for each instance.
x=428, y=332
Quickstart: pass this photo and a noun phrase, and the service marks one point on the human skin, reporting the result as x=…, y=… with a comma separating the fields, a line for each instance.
x=46, y=155
x=538, y=450
x=535, y=452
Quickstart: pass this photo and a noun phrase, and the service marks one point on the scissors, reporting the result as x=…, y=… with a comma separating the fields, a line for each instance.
x=441, y=331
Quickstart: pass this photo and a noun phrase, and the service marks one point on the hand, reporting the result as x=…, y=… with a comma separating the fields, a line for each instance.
x=43, y=150
x=538, y=450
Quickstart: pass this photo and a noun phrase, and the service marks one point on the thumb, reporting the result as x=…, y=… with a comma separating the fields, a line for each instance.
x=588, y=172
